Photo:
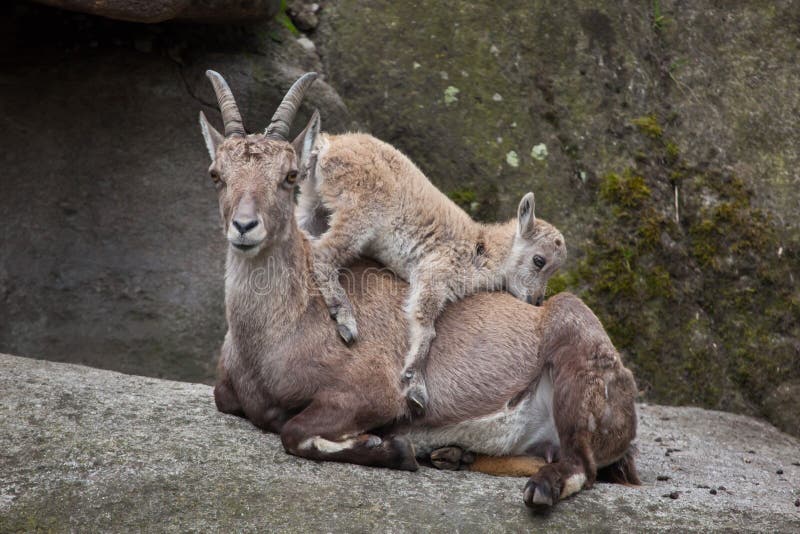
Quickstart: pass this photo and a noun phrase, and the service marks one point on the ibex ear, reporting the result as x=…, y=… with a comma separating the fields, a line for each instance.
x=304, y=143
x=213, y=137
x=526, y=220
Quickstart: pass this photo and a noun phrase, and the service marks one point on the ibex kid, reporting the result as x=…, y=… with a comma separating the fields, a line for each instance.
x=380, y=205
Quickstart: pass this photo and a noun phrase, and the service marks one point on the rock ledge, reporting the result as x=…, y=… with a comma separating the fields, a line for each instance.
x=85, y=449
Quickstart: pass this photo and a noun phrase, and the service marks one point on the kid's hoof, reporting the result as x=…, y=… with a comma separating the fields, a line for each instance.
x=448, y=458
x=538, y=496
x=405, y=457
x=417, y=400
x=346, y=334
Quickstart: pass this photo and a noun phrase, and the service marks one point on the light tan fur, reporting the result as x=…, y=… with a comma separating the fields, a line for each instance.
x=379, y=204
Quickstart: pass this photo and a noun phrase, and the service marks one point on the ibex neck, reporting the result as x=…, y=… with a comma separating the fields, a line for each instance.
x=498, y=239
x=273, y=286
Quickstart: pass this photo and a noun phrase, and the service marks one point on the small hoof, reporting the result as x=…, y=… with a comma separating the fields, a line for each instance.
x=347, y=336
x=447, y=458
x=417, y=400
x=539, y=496
x=406, y=459
x=372, y=441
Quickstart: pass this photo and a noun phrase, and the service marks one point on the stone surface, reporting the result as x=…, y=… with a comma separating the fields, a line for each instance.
x=160, y=10
x=696, y=103
x=778, y=407
x=110, y=243
x=86, y=449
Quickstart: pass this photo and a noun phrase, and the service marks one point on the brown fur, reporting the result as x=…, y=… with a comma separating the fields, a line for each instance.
x=283, y=367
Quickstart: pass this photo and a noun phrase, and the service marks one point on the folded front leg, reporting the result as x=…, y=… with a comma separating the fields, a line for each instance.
x=331, y=429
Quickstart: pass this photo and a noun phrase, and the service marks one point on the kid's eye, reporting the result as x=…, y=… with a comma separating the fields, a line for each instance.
x=539, y=261
x=217, y=179
x=291, y=177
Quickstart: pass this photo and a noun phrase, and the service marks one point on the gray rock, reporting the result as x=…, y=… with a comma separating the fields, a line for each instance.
x=92, y=450
x=781, y=406
x=304, y=14
x=161, y=10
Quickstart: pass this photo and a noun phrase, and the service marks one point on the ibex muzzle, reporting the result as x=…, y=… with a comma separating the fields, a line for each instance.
x=246, y=231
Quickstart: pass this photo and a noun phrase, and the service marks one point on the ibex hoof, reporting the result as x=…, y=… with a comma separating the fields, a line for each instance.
x=405, y=457
x=538, y=496
x=448, y=458
x=372, y=441
x=346, y=334
x=417, y=400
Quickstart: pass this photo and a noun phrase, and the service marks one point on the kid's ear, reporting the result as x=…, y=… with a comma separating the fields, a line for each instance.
x=304, y=143
x=526, y=220
x=212, y=137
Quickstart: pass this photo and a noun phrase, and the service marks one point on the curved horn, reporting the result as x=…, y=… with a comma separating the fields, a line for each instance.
x=227, y=105
x=282, y=120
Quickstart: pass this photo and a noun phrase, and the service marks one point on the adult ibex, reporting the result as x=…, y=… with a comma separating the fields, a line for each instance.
x=371, y=200
x=506, y=378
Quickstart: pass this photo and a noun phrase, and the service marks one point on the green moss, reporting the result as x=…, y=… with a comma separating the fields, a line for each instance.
x=649, y=126
x=467, y=199
x=561, y=282
x=624, y=192
x=463, y=197
x=701, y=307
x=672, y=152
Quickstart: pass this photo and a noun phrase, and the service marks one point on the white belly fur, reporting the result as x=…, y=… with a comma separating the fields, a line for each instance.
x=509, y=432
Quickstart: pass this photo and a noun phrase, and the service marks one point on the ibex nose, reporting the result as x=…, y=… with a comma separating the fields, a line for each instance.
x=245, y=226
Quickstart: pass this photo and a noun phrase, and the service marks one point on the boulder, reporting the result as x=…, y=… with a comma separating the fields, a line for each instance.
x=780, y=407
x=93, y=450
x=660, y=137
x=161, y=10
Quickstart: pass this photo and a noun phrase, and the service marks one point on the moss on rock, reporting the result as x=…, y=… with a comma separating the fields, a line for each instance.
x=637, y=117
x=703, y=300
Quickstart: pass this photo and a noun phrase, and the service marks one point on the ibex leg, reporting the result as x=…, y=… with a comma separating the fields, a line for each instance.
x=331, y=429
x=335, y=248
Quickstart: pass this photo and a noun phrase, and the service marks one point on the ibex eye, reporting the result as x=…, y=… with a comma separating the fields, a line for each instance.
x=539, y=261
x=291, y=178
x=217, y=179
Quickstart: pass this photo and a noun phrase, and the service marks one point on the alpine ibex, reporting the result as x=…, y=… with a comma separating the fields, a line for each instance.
x=506, y=378
x=371, y=200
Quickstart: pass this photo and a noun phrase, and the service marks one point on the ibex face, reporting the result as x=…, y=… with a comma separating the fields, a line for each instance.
x=537, y=253
x=255, y=175
x=255, y=178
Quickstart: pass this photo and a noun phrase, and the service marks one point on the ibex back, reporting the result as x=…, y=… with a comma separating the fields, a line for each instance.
x=505, y=377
